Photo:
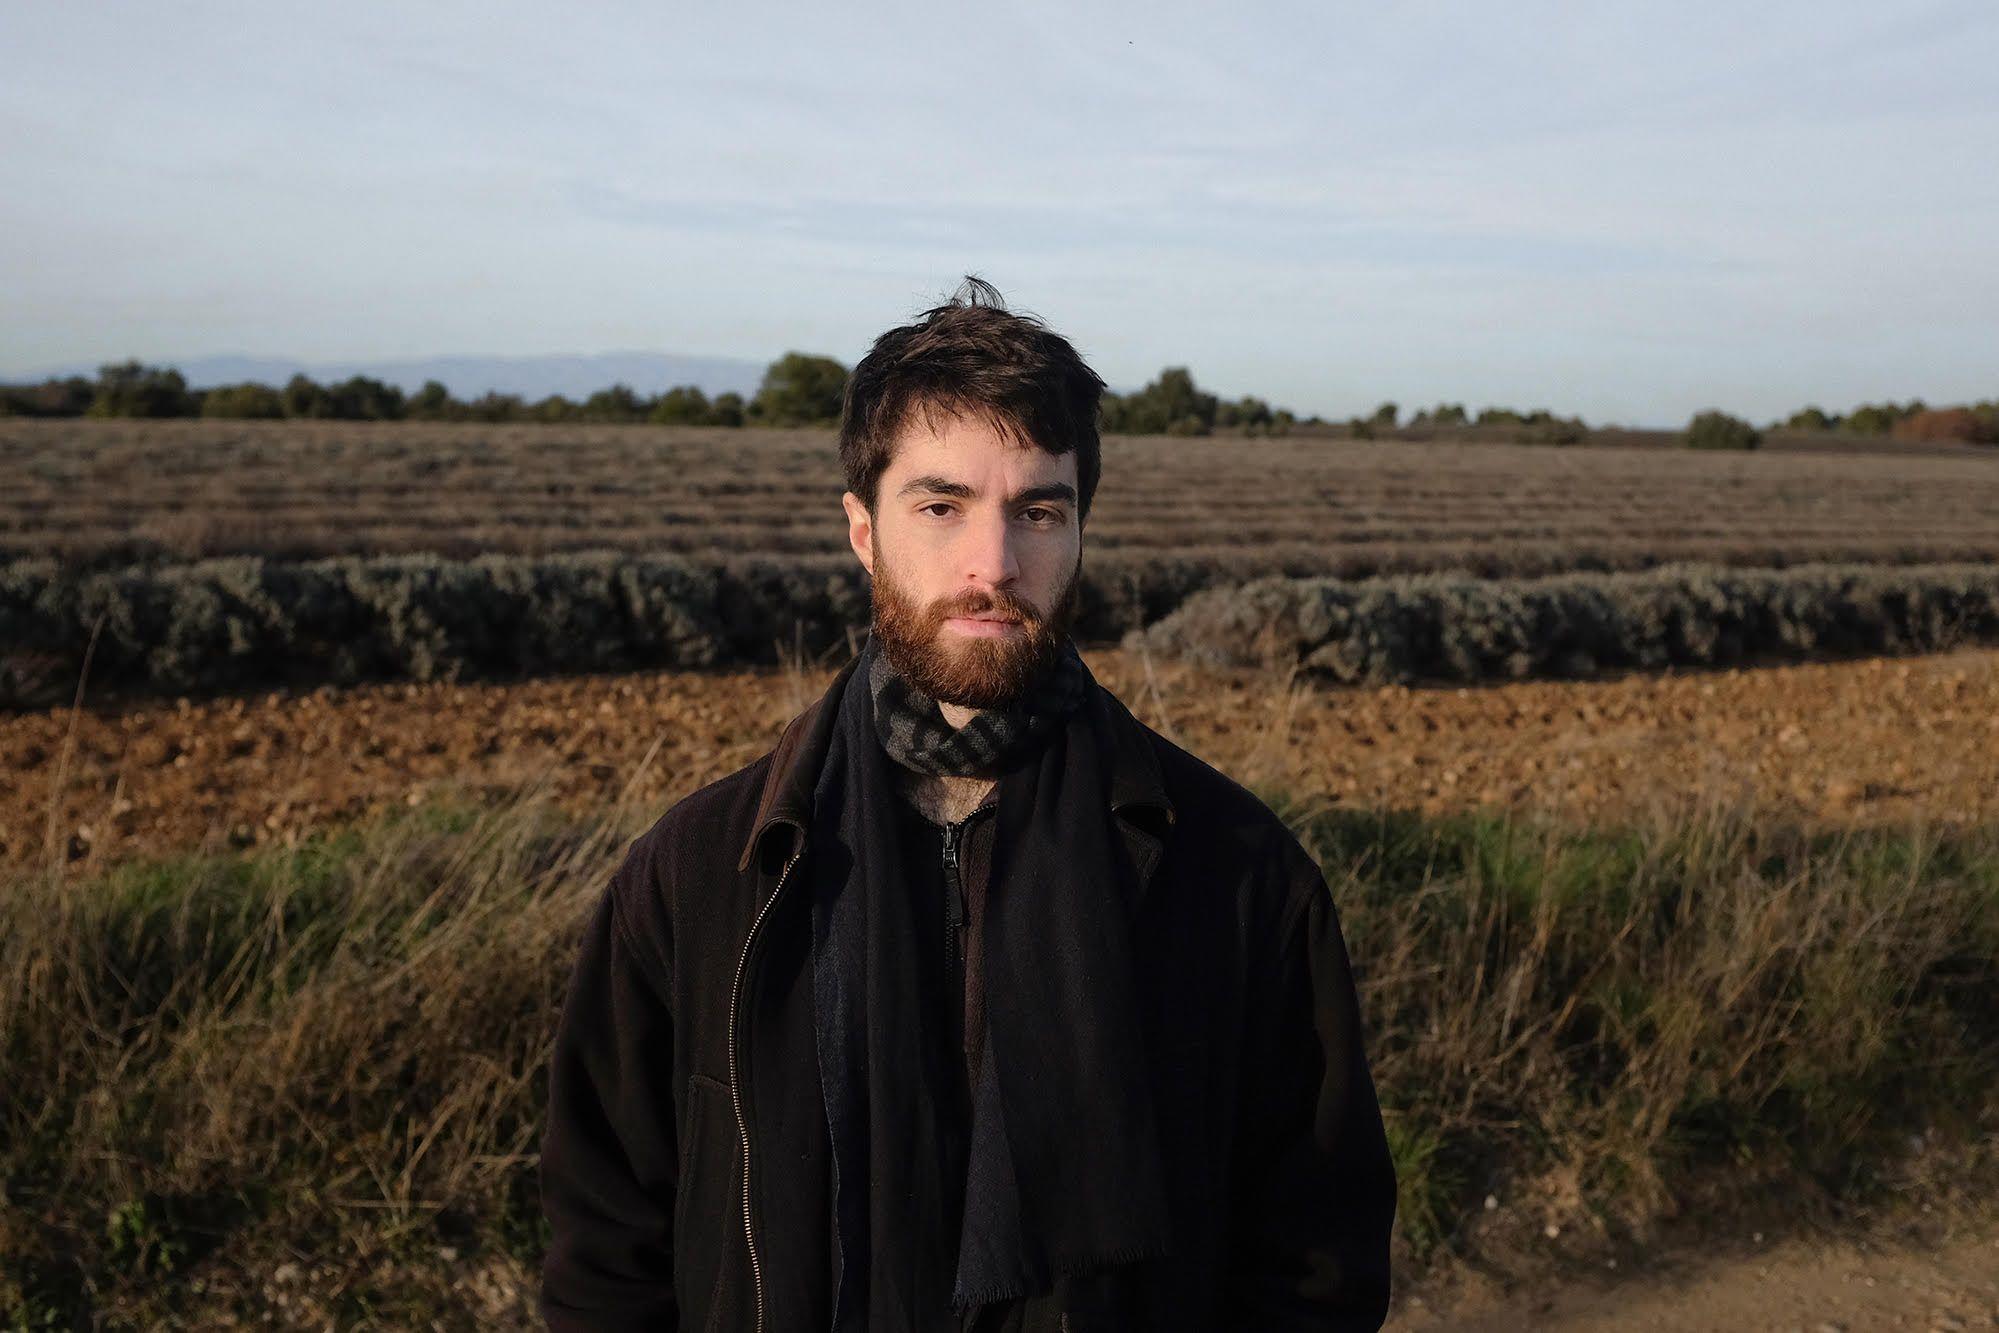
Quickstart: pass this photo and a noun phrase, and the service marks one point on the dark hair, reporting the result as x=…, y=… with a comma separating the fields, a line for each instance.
x=972, y=357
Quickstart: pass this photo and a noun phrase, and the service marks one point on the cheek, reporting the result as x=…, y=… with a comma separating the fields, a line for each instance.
x=1049, y=566
x=1055, y=553
x=916, y=564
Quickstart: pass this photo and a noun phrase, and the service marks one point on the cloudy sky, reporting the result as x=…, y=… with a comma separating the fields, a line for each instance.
x=1630, y=211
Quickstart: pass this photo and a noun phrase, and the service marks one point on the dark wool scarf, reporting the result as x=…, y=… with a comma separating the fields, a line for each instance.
x=911, y=727
x=1064, y=1176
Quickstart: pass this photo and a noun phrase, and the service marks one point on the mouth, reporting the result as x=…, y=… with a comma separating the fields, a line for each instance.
x=989, y=625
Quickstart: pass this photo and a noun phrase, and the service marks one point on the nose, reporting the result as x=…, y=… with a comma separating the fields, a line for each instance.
x=989, y=557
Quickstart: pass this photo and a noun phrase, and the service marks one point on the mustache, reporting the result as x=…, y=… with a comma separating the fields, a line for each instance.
x=990, y=607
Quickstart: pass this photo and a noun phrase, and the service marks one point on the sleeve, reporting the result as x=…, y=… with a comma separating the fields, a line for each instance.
x=1315, y=1187
x=609, y=1158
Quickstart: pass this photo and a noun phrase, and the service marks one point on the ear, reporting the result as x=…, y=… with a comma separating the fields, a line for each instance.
x=860, y=530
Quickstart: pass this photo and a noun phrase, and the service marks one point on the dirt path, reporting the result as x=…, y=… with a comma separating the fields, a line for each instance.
x=1863, y=742
x=1839, y=1285
x=1811, y=1286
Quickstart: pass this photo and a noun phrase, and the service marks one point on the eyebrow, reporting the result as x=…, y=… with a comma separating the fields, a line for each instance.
x=935, y=485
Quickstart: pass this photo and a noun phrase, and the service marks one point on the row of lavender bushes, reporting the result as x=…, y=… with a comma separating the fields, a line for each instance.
x=1441, y=627
x=250, y=623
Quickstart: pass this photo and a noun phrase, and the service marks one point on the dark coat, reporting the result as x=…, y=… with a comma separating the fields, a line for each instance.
x=686, y=1044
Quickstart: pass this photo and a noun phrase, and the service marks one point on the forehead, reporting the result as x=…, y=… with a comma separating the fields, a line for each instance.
x=952, y=444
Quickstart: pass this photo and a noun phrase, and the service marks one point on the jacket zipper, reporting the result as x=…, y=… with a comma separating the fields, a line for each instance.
x=955, y=906
x=954, y=902
x=735, y=1004
x=735, y=1081
x=954, y=916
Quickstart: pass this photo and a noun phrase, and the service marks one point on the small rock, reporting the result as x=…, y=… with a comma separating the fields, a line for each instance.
x=1491, y=1202
x=1551, y=1231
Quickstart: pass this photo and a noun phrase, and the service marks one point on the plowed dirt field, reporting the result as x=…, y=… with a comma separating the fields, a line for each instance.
x=1877, y=741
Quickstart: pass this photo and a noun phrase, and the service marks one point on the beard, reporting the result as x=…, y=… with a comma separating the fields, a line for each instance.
x=971, y=671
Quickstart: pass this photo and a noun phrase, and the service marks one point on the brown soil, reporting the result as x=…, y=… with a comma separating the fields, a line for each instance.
x=1870, y=742
x=1947, y=1282
x=1810, y=1285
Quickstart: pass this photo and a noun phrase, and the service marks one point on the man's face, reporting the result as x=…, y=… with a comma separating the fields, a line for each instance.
x=975, y=553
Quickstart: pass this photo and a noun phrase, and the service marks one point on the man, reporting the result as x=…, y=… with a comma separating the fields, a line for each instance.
x=975, y=1003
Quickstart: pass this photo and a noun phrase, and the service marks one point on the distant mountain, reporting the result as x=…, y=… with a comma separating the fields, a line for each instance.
x=531, y=377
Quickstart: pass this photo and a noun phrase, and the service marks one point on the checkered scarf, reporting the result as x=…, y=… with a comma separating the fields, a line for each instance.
x=916, y=735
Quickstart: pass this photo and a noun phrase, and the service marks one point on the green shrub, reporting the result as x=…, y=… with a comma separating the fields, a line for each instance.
x=243, y=402
x=684, y=405
x=620, y=402
x=130, y=389
x=1718, y=430
x=1170, y=405
x=799, y=389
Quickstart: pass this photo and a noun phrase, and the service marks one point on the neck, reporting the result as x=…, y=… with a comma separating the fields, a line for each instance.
x=942, y=799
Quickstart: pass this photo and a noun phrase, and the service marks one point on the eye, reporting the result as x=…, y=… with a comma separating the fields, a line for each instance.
x=1054, y=516
x=934, y=504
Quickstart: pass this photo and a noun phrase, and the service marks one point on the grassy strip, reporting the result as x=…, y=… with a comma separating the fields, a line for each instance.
x=1615, y=1026
x=337, y=1052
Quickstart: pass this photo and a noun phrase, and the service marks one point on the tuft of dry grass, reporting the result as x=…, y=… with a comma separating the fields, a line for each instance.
x=332, y=1053
x=1609, y=1027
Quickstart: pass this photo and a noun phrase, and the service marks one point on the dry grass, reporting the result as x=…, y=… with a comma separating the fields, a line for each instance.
x=306, y=1084
x=331, y=1054
x=1609, y=1028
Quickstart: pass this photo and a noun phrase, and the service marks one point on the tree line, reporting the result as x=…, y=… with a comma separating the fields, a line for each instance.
x=797, y=390
x=1975, y=422
x=803, y=389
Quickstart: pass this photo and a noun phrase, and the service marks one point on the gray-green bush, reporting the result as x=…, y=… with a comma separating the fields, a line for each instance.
x=249, y=623
x=1453, y=628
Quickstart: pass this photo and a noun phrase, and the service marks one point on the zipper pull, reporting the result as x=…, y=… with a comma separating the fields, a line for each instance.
x=954, y=901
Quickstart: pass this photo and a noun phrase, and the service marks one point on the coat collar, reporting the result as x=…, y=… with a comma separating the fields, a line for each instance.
x=801, y=750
